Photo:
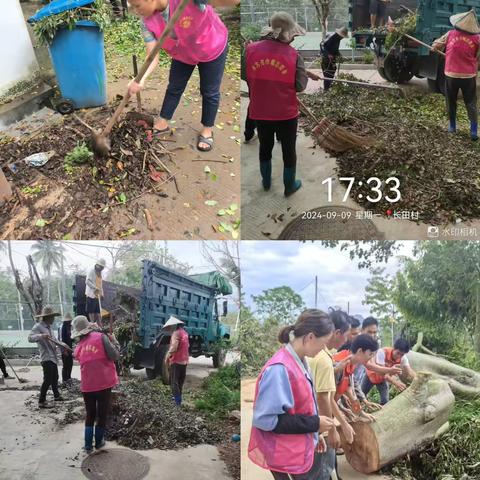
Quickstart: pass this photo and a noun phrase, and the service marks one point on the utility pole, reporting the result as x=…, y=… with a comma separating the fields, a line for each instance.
x=348, y=308
x=316, y=291
x=20, y=312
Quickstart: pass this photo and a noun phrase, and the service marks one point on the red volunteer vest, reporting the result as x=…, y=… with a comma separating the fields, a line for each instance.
x=377, y=378
x=348, y=371
x=271, y=69
x=181, y=355
x=286, y=453
x=461, y=53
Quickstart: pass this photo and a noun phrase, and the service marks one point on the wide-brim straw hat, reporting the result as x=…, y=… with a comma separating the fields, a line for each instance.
x=173, y=321
x=81, y=326
x=467, y=22
x=48, y=311
x=343, y=32
x=67, y=317
x=283, y=28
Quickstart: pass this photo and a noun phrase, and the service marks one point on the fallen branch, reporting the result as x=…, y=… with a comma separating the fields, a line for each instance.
x=207, y=160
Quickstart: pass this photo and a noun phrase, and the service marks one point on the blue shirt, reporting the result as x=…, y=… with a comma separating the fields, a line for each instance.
x=275, y=396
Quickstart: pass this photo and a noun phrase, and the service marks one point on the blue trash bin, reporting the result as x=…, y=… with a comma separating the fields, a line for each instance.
x=78, y=59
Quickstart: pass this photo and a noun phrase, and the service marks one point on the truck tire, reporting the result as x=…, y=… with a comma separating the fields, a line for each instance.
x=219, y=358
x=151, y=373
x=381, y=72
x=161, y=367
x=396, y=69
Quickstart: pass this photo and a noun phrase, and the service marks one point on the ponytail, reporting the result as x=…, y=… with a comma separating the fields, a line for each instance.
x=284, y=334
x=310, y=321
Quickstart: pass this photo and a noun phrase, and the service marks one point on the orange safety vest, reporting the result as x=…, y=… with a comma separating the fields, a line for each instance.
x=344, y=383
x=377, y=378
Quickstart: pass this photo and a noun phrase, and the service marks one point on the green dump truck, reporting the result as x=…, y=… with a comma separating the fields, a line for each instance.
x=407, y=59
x=197, y=300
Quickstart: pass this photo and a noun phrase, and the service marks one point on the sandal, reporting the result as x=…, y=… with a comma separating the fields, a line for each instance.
x=207, y=140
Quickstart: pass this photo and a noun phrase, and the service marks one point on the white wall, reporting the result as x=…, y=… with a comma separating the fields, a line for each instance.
x=17, y=58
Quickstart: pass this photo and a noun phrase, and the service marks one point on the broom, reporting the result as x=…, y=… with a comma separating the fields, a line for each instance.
x=21, y=380
x=333, y=137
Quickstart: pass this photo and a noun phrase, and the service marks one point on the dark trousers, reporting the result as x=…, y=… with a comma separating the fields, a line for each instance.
x=468, y=86
x=177, y=378
x=211, y=74
x=67, y=365
x=3, y=368
x=329, y=68
x=50, y=379
x=286, y=131
x=383, y=389
x=96, y=404
x=250, y=126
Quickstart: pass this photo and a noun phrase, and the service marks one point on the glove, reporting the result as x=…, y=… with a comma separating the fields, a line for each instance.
x=201, y=4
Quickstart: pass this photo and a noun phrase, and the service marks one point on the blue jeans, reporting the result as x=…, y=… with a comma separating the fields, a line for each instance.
x=211, y=74
x=382, y=388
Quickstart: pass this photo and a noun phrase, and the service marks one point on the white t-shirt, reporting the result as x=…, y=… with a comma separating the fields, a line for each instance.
x=380, y=359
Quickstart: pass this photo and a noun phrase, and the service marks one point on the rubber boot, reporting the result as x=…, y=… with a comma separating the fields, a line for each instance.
x=474, y=131
x=266, y=171
x=88, y=439
x=291, y=185
x=99, y=437
x=178, y=400
x=452, y=126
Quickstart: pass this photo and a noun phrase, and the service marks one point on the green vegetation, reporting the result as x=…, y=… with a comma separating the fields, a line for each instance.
x=407, y=24
x=221, y=391
x=80, y=154
x=98, y=12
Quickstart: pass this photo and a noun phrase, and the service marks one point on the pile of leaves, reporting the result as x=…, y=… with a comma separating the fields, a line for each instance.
x=453, y=456
x=145, y=416
x=439, y=173
x=405, y=24
x=98, y=11
x=221, y=391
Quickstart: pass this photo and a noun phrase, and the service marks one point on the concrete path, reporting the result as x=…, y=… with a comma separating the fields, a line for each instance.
x=261, y=210
x=251, y=472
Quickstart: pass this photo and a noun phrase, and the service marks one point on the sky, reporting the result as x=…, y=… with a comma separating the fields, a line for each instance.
x=85, y=253
x=269, y=264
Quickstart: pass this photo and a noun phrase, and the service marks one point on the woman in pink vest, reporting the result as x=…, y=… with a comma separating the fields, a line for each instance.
x=177, y=356
x=462, y=50
x=97, y=355
x=286, y=425
x=199, y=39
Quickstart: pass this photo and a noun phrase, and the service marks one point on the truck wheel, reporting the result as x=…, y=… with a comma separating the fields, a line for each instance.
x=219, y=358
x=396, y=69
x=381, y=72
x=162, y=368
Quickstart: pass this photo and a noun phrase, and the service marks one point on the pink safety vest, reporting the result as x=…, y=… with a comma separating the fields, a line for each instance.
x=461, y=51
x=181, y=355
x=97, y=372
x=199, y=36
x=287, y=453
x=271, y=70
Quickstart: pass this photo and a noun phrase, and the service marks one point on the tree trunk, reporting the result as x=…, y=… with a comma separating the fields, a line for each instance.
x=476, y=336
x=410, y=421
x=49, y=280
x=464, y=382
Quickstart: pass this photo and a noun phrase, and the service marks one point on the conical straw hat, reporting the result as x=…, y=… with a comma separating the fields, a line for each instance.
x=467, y=22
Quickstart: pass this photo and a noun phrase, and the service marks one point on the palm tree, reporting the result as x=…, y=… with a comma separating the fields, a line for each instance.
x=49, y=254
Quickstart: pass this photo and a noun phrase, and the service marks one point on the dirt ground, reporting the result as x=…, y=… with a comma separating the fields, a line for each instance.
x=30, y=437
x=49, y=202
x=251, y=472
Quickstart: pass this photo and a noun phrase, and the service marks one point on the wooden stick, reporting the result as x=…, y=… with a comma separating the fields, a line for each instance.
x=135, y=72
x=206, y=160
x=85, y=124
x=416, y=40
x=148, y=218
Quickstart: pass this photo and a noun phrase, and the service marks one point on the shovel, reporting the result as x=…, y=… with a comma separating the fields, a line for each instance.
x=100, y=141
x=21, y=380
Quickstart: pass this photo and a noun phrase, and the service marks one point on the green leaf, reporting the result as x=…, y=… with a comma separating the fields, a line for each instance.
x=234, y=207
x=236, y=128
x=211, y=203
x=122, y=198
x=40, y=223
x=68, y=236
x=94, y=171
x=214, y=177
x=221, y=212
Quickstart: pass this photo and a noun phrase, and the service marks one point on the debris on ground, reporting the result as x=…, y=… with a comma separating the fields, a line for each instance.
x=136, y=165
x=439, y=173
x=144, y=416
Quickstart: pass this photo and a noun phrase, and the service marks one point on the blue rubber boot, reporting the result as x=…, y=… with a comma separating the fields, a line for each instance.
x=178, y=400
x=88, y=439
x=474, y=131
x=452, y=126
x=291, y=185
x=266, y=171
x=99, y=437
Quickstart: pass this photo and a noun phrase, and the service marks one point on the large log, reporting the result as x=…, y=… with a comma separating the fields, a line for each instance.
x=410, y=421
x=465, y=383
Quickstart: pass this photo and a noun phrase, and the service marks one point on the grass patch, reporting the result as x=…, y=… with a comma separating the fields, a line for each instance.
x=221, y=391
